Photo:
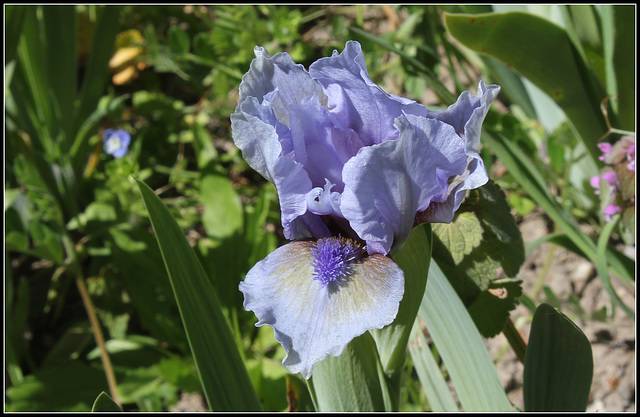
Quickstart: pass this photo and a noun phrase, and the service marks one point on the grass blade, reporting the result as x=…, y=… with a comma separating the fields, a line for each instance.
x=601, y=265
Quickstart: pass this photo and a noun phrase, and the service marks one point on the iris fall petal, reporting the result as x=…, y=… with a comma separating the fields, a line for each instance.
x=313, y=319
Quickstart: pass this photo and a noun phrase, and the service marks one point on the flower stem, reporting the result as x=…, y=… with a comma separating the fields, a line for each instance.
x=97, y=332
x=515, y=339
x=74, y=268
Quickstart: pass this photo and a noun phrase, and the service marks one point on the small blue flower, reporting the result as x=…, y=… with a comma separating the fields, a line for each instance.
x=355, y=170
x=116, y=142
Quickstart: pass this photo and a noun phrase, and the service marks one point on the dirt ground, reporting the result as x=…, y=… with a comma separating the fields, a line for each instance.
x=613, y=340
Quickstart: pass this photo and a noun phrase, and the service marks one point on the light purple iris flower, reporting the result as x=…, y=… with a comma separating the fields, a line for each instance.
x=116, y=142
x=355, y=170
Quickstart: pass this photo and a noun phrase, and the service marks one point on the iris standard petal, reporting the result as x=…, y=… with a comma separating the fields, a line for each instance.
x=355, y=100
x=319, y=145
x=318, y=296
x=279, y=73
x=387, y=184
x=261, y=148
x=466, y=116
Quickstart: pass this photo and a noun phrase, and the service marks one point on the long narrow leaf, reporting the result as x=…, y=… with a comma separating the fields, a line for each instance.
x=601, y=265
x=523, y=42
x=31, y=74
x=353, y=381
x=224, y=377
x=433, y=383
x=624, y=57
x=457, y=339
x=413, y=258
x=62, y=69
x=97, y=69
x=14, y=18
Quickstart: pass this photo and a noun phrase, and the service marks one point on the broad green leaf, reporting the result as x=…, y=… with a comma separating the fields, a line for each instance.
x=490, y=310
x=543, y=52
x=224, y=378
x=429, y=373
x=178, y=40
x=465, y=356
x=223, y=215
x=558, y=365
x=460, y=236
x=104, y=403
x=179, y=371
x=474, y=272
x=353, y=381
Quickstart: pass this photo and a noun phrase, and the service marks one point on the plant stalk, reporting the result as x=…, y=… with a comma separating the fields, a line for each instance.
x=72, y=262
x=515, y=339
x=97, y=332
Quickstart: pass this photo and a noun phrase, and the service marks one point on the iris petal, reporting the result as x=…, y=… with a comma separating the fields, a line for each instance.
x=355, y=100
x=292, y=82
x=289, y=177
x=387, y=184
x=466, y=116
x=319, y=145
x=313, y=319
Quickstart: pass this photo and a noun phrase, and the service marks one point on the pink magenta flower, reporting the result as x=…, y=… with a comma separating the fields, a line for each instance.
x=631, y=158
x=605, y=148
x=610, y=211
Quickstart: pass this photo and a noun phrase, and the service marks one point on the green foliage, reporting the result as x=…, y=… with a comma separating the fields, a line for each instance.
x=462, y=350
x=104, y=403
x=43, y=391
x=482, y=239
x=560, y=74
x=558, y=366
x=225, y=382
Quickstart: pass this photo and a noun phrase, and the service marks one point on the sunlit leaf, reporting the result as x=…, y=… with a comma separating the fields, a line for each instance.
x=523, y=42
x=461, y=347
